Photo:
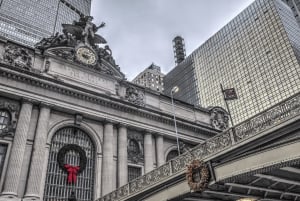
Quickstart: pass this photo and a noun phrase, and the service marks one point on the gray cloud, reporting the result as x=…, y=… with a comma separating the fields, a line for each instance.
x=140, y=32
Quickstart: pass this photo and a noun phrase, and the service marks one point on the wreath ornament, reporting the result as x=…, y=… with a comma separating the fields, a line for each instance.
x=197, y=175
x=72, y=171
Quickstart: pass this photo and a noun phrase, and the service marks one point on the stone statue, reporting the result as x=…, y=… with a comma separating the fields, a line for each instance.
x=85, y=31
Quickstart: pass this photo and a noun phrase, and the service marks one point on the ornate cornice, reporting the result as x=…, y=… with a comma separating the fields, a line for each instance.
x=37, y=79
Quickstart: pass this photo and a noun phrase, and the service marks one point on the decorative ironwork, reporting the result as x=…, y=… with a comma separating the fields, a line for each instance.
x=17, y=57
x=197, y=175
x=219, y=118
x=56, y=179
x=274, y=116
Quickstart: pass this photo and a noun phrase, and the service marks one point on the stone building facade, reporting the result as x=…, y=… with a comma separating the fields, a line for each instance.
x=72, y=126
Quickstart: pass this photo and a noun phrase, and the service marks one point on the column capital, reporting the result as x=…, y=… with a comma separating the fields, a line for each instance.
x=29, y=100
x=159, y=134
x=109, y=121
x=121, y=124
x=45, y=105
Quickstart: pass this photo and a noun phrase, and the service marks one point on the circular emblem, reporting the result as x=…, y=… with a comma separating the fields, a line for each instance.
x=86, y=55
x=70, y=169
x=197, y=175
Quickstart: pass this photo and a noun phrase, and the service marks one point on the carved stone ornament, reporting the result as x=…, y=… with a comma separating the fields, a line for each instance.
x=17, y=57
x=135, y=96
x=12, y=109
x=135, y=147
x=197, y=175
x=219, y=118
x=79, y=43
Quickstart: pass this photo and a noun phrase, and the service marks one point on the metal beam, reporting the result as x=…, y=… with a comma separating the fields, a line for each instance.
x=230, y=194
x=291, y=169
x=262, y=189
x=278, y=179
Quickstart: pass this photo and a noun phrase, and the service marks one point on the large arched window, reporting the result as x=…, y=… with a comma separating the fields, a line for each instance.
x=57, y=187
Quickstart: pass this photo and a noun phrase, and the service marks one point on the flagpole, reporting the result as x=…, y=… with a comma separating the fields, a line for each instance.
x=226, y=105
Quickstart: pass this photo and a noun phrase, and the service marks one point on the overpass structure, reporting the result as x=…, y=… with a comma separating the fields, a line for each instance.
x=258, y=159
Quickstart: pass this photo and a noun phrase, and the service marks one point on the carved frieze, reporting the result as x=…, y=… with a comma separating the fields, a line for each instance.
x=135, y=147
x=219, y=118
x=10, y=109
x=135, y=96
x=17, y=57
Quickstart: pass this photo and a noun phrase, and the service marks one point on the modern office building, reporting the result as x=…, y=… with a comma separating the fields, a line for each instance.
x=183, y=76
x=27, y=21
x=257, y=53
x=151, y=77
x=295, y=6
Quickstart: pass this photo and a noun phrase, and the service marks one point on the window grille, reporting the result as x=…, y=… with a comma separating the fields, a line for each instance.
x=134, y=172
x=172, y=154
x=56, y=187
x=4, y=119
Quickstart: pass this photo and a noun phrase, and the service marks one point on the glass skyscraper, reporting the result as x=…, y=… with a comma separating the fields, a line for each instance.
x=257, y=53
x=28, y=21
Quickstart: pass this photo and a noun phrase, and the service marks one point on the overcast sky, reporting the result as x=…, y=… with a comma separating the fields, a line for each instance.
x=140, y=32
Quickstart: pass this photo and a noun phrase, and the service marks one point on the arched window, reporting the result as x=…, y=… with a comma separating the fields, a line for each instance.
x=57, y=187
x=172, y=154
x=4, y=119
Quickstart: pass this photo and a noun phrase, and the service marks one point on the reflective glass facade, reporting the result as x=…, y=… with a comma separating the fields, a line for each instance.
x=28, y=21
x=183, y=76
x=257, y=53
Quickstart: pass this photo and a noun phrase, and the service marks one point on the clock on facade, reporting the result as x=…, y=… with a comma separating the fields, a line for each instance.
x=86, y=55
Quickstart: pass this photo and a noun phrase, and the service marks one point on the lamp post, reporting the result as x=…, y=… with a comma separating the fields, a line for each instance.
x=173, y=91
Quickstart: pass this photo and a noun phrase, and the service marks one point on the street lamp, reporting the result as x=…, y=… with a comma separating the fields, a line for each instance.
x=173, y=91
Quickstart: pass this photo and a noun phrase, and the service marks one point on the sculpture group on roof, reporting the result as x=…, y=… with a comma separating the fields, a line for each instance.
x=81, y=32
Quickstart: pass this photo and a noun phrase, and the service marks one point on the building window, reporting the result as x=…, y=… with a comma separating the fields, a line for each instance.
x=56, y=187
x=172, y=154
x=134, y=172
x=4, y=119
x=3, y=148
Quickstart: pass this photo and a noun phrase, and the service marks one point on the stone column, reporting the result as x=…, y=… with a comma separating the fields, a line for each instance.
x=38, y=155
x=107, y=161
x=160, y=150
x=148, y=157
x=122, y=156
x=17, y=153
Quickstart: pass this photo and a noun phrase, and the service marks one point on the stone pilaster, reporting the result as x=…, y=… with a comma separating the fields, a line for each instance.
x=38, y=155
x=107, y=162
x=148, y=152
x=160, y=150
x=14, y=168
x=28, y=151
x=122, y=156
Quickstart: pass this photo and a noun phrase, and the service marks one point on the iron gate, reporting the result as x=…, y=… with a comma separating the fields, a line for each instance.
x=56, y=187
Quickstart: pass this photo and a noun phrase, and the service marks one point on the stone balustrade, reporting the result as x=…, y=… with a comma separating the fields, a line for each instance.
x=251, y=128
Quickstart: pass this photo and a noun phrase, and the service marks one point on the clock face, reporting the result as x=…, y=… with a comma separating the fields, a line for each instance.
x=86, y=56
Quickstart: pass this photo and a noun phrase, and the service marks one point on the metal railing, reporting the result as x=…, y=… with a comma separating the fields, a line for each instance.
x=261, y=122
